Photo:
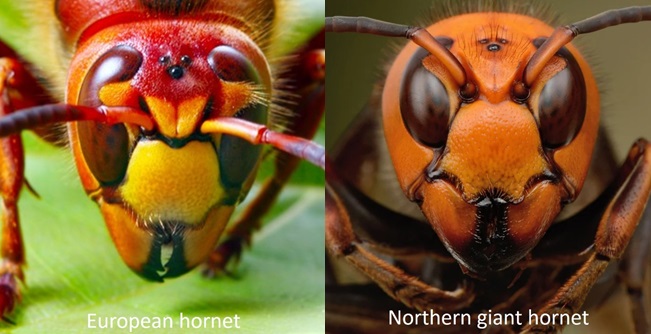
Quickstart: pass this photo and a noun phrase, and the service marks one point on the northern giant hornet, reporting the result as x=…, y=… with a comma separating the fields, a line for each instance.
x=465, y=185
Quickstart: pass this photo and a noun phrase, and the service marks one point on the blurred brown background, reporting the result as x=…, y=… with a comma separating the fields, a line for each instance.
x=621, y=58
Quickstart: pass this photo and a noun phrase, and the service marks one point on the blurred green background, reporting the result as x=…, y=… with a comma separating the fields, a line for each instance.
x=74, y=269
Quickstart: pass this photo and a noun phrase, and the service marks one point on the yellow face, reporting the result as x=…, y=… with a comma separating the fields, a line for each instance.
x=173, y=186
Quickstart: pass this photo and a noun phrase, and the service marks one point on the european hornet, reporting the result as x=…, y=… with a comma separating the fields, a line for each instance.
x=165, y=106
x=479, y=178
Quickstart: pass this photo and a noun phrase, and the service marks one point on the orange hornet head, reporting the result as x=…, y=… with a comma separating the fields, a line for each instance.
x=167, y=194
x=492, y=171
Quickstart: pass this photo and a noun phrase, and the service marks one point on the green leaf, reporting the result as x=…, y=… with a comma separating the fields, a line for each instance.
x=74, y=269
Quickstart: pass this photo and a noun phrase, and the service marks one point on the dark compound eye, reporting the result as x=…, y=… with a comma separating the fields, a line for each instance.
x=237, y=157
x=231, y=65
x=562, y=103
x=120, y=63
x=424, y=103
x=105, y=147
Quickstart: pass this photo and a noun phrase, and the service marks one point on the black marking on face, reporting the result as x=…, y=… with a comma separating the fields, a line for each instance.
x=491, y=248
x=175, y=7
x=166, y=234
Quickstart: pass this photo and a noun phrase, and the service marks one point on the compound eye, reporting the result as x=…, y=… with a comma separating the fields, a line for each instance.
x=237, y=157
x=424, y=103
x=231, y=65
x=105, y=147
x=118, y=64
x=562, y=104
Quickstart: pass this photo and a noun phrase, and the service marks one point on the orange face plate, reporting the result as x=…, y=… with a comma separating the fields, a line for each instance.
x=174, y=191
x=493, y=151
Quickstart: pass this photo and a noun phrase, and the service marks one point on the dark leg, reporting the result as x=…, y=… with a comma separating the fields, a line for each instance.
x=342, y=241
x=17, y=90
x=308, y=77
x=12, y=177
x=635, y=270
x=615, y=230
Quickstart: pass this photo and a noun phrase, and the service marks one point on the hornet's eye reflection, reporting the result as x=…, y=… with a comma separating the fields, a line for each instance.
x=105, y=147
x=480, y=177
x=562, y=103
x=424, y=103
x=124, y=89
x=231, y=65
